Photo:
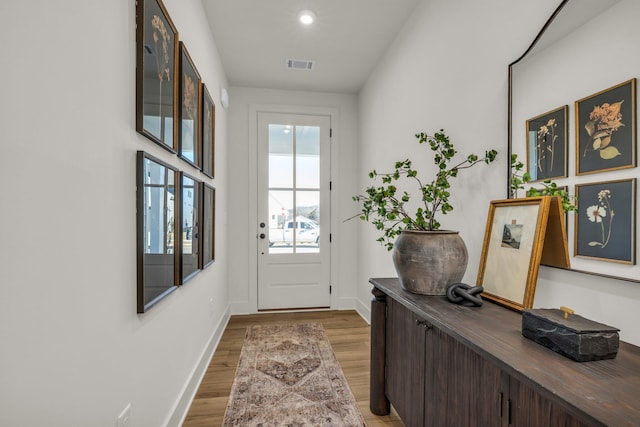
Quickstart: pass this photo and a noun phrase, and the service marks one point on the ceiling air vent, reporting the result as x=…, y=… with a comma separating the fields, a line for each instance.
x=300, y=64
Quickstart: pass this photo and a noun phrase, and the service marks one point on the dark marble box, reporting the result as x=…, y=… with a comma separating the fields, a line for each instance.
x=575, y=337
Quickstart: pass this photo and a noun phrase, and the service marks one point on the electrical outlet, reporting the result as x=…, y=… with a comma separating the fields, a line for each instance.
x=123, y=418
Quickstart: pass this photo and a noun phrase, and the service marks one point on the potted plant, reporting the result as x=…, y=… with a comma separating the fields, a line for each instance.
x=426, y=258
x=547, y=187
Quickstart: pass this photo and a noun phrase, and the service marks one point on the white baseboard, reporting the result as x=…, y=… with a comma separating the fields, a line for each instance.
x=243, y=307
x=364, y=310
x=181, y=407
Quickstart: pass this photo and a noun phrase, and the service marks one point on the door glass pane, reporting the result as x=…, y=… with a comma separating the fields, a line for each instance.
x=170, y=212
x=280, y=156
x=307, y=157
x=158, y=215
x=190, y=251
x=294, y=163
x=160, y=127
x=308, y=221
x=188, y=215
x=281, y=225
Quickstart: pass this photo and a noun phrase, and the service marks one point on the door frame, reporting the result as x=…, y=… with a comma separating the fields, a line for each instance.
x=252, y=254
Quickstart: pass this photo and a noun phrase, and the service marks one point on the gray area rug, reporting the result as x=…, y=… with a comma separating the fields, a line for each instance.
x=288, y=375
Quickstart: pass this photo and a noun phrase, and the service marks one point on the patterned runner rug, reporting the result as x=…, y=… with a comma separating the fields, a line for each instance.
x=288, y=375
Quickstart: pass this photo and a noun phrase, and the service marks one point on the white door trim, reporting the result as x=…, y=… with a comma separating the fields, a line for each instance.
x=252, y=254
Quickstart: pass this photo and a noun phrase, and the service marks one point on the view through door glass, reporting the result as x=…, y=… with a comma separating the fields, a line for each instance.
x=294, y=253
x=294, y=189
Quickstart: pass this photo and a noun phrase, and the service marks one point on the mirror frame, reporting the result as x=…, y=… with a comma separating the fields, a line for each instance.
x=510, y=89
x=535, y=41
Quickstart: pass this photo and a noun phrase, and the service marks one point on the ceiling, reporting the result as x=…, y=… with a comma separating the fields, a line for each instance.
x=256, y=37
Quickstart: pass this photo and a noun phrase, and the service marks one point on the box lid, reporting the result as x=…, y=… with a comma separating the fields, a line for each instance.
x=573, y=322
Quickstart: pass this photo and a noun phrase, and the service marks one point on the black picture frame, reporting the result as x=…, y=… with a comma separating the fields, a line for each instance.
x=547, y=147
x=156, y=203
x=189, y=110
x=606, y=129
x=208, y=131
x=190, y=190
x=207, y=221
x=600, y=235
x=156, y=71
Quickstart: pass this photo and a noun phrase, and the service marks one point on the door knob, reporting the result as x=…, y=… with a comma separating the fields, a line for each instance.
x=262, y=235
x=262, y=225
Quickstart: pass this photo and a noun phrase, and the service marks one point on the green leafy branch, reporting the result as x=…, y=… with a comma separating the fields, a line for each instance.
x=386, y=209
x=548, y=187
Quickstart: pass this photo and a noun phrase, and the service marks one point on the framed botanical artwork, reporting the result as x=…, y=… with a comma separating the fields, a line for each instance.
x=606, y=220
x=208, y=212
x=208, y=131
x=547, y=136
x=606, y=130
x=512, y=250
x=189, y=227
x=189, y=114
x=156, y=70
x=156, y=184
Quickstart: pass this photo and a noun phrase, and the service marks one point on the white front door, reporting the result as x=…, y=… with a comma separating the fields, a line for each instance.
x=293, y=211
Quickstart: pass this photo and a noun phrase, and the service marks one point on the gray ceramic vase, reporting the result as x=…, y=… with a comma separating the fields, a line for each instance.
x=428, y=261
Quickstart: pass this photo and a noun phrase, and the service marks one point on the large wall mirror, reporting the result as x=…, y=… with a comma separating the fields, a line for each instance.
x=584, y=64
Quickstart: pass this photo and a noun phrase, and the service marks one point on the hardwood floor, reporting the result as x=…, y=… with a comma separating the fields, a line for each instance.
x=349, y=337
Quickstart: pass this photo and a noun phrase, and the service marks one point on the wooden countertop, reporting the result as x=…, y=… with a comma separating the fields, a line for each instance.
x=606, y=390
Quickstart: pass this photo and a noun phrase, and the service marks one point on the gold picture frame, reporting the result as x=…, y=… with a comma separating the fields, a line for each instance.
x=606, y=129
x=512, y=250
x=156, y=70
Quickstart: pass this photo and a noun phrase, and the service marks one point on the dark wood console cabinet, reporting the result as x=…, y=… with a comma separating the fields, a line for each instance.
x=442, y=364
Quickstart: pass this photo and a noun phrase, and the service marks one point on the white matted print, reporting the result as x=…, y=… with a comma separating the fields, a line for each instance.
x=513, y=243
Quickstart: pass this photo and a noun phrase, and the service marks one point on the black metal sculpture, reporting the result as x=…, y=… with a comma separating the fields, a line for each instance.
x=463, y=294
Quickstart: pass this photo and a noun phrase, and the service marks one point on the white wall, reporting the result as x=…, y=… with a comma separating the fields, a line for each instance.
x=73, y=350
x=242, y=222
x=448, y=69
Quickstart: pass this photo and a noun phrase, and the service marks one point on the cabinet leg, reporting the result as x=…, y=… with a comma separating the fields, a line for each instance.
x=378, y=402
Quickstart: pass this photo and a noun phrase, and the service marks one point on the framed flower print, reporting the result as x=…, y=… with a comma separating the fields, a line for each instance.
x=208, y=131
x=189, y=113
x=156, y=70
x=547, y=137
x=156, y=184
x=606, y=130
x=189, y=227
x=605, y=221
x=208, y=212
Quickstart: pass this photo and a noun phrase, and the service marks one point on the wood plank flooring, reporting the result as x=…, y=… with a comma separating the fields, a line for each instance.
x=348, y=333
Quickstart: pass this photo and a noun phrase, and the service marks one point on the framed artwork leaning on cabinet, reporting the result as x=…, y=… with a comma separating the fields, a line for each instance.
x=512, y=250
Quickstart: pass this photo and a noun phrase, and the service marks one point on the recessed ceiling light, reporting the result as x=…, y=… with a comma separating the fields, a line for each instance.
x=307, y=17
